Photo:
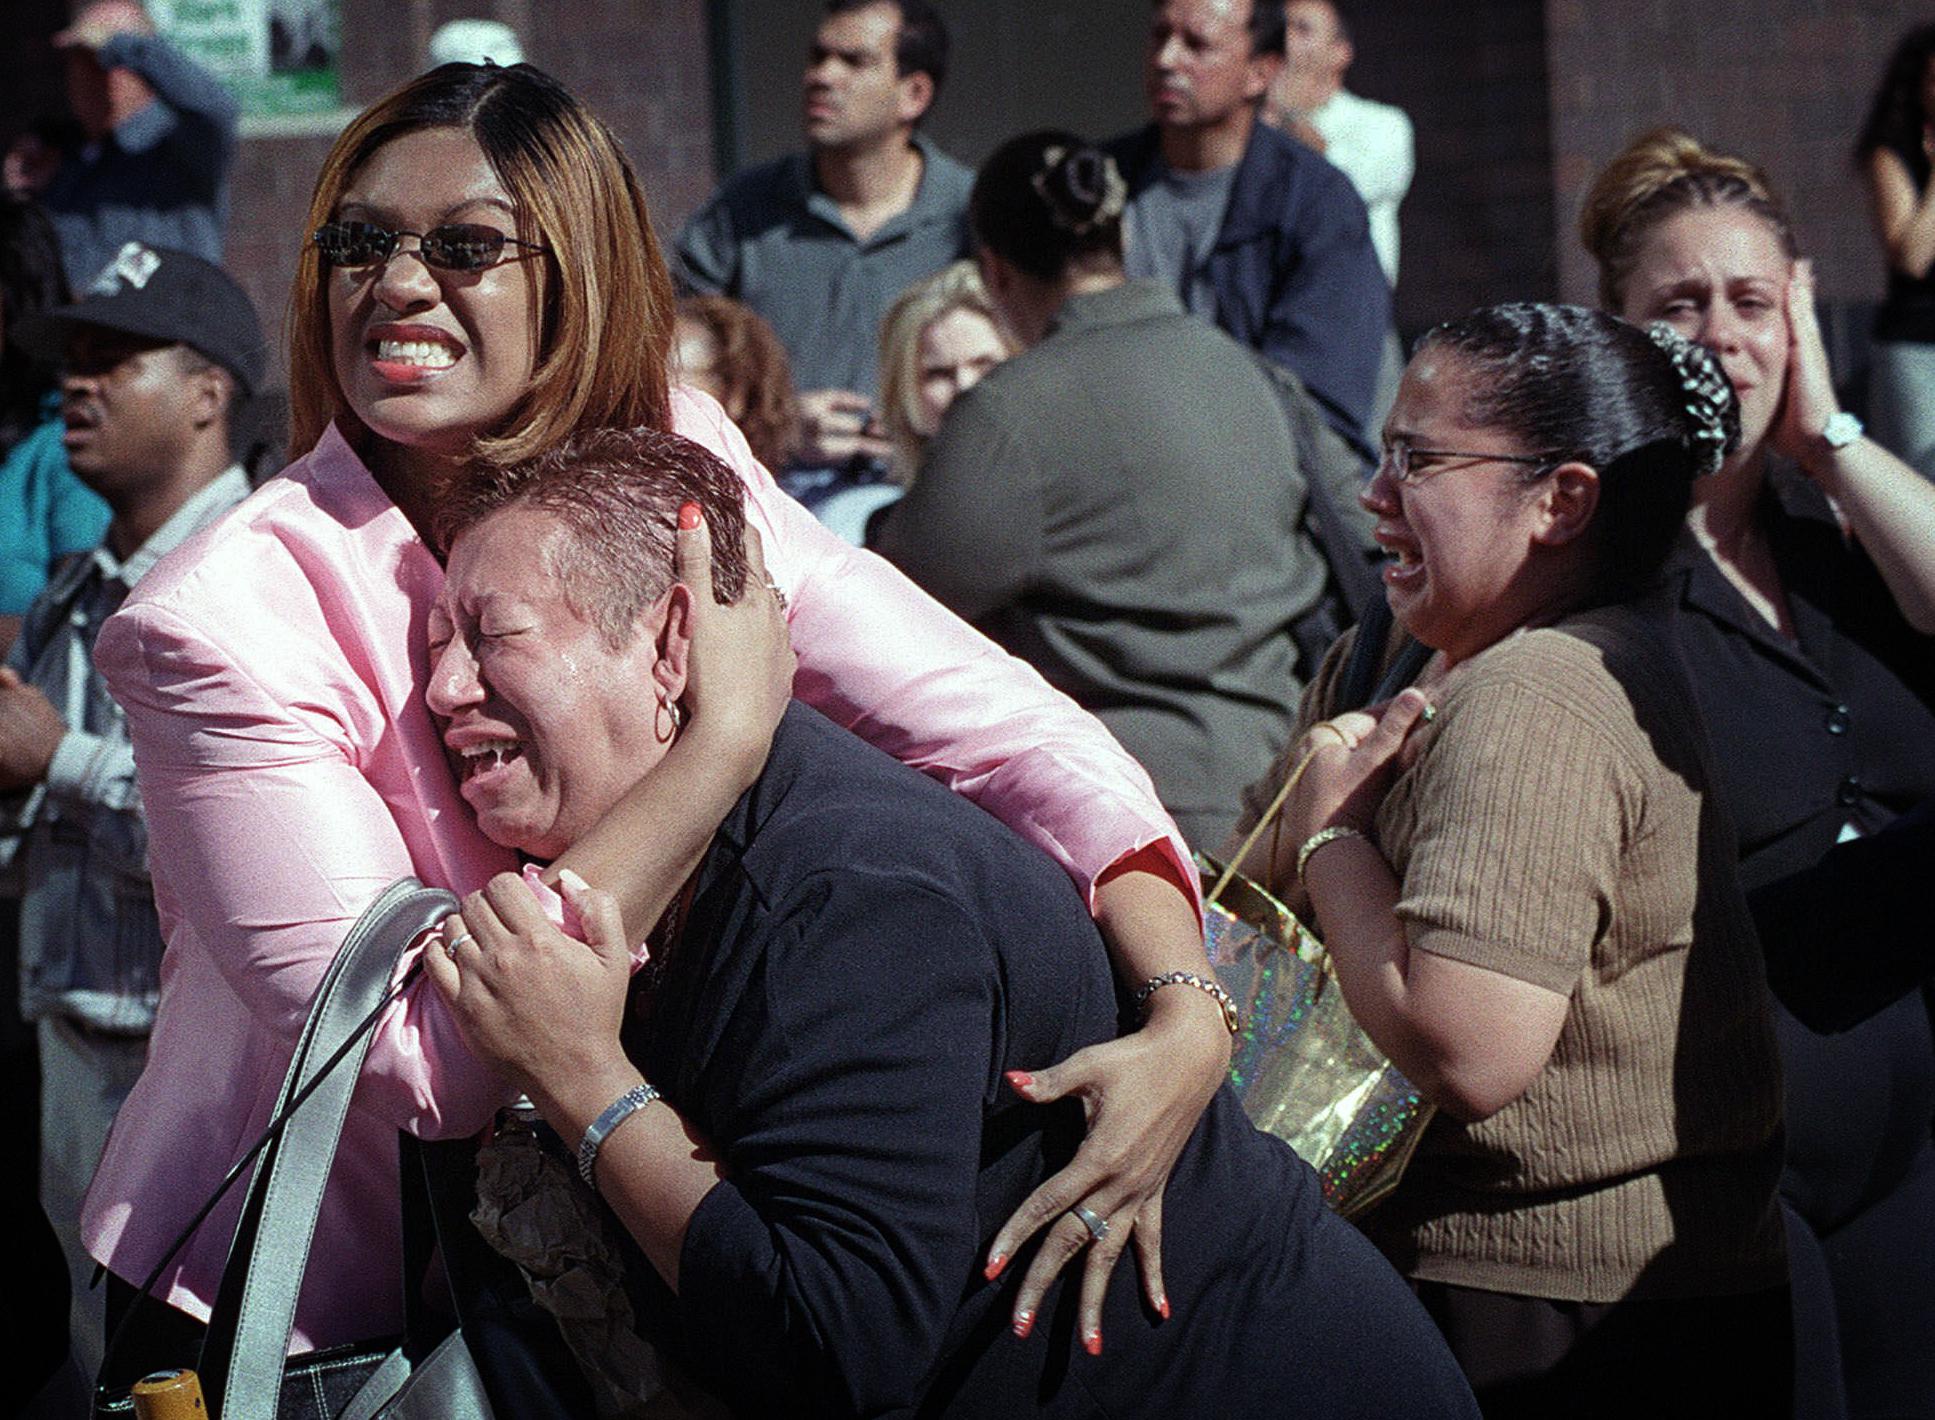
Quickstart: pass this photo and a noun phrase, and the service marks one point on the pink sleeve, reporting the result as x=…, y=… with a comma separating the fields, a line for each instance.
x=266, y=841
x=881, y=657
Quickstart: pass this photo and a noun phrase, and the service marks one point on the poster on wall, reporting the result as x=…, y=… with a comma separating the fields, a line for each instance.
x=278, y=57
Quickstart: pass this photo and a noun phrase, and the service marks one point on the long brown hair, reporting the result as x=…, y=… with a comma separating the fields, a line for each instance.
x=575, y=193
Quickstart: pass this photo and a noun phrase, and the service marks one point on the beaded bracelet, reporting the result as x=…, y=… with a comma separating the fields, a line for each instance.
x=616, y=1113
x=1201, y=983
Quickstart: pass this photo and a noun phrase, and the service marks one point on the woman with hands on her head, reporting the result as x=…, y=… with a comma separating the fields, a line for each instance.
x=1804, y=599
x=482, y=282
x=1528, y=894
x=827, y=1140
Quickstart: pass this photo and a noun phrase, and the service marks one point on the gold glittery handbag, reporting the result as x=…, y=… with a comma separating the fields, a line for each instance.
x=1303, y=1068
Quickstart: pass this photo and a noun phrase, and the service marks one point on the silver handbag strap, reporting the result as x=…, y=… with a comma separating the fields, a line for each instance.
x=271, y=1249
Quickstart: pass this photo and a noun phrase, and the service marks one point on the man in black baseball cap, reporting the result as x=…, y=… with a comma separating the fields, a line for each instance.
x=170, y=298
x=155, y=353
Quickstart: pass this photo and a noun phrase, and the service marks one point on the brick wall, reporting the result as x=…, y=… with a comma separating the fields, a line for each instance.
x=1472, y=76
x=641, y=64
x=1783, y=82
x=1516, y=102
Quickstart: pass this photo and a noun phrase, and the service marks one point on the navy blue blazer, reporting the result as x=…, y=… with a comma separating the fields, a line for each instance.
x=1293, y=269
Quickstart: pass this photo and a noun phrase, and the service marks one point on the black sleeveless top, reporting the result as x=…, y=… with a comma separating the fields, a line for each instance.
x=1908, y=311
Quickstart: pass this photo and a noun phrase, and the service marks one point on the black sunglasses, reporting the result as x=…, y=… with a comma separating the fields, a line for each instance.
x=460, y=246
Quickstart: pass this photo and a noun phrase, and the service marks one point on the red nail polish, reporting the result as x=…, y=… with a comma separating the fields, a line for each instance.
x=1020, y=1080
x=1024, y=1323
x=995, y=1264
x=1162, y=1307
x=688, y=516
x=1092, y=1343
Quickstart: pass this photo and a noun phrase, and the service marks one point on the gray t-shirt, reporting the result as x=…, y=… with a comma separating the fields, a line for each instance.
x=1172, y=225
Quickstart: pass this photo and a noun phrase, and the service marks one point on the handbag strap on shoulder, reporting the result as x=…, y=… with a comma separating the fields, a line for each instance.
x=242, y=1359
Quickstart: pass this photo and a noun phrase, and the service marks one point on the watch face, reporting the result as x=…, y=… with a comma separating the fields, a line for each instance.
x=1843, y=429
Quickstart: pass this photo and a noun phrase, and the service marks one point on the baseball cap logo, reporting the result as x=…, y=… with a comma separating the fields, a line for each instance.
x=132, y=266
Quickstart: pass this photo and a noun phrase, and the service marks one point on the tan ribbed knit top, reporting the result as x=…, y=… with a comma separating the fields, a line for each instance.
x=1555, y=827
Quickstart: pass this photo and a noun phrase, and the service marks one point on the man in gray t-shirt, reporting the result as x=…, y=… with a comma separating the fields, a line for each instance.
x=1248, y=227
x=820, y=243
x=1171, y=227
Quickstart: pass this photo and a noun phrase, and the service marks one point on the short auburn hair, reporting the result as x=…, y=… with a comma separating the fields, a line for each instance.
x=618, y=493
x=755, y=375
x=603, y=325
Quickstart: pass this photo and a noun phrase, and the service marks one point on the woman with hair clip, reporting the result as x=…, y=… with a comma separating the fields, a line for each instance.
x=1804, y=600
x=1527, y=890
x=477, y=235
x=1895, y=152
x=1119, y=504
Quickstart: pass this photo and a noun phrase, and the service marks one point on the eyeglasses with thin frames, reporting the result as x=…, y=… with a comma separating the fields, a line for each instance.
x=458, y=246
x=1399, y=457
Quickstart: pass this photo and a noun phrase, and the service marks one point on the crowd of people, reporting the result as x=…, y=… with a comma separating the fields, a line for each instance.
x=816, y=654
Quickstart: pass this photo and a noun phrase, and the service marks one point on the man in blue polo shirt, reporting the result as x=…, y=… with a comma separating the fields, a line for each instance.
x=820, y=243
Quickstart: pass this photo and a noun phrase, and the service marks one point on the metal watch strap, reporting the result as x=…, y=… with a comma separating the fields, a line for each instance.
x=615, y=1114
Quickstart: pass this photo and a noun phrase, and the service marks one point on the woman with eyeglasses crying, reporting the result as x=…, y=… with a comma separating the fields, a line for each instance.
x=479, y=282
x=1527, y=887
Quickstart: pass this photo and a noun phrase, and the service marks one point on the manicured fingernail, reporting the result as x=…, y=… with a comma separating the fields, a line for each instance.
x=1092, y=1343
x=1020, y=1081
x=688, y=516
x=1024, y=1323
x=995, y=1264
x=572, y=880
x=1162, y=1307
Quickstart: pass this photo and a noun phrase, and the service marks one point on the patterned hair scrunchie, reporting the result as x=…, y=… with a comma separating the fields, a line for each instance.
x=1706, y=394
x=1091, y=178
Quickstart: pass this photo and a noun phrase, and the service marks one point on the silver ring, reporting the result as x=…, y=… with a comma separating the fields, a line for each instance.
x=450, y=948
x=1097, y=1225
x=773, y=587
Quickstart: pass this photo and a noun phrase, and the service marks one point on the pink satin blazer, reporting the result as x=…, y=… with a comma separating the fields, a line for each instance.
x=271, y=671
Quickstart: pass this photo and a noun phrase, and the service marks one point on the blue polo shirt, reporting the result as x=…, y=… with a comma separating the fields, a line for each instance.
x=772, y=239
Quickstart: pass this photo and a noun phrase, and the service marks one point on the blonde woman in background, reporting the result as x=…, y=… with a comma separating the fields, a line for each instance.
x=941, y=337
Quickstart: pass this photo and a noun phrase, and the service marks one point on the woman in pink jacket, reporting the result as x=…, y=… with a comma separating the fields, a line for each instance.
x=483, y=281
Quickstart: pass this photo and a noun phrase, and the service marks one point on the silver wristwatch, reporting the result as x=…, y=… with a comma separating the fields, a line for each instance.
x=615, y=1114
x=1843, y=429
